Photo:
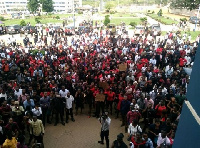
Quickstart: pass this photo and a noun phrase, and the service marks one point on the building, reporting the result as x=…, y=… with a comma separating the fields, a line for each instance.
x=66, y=5
x=16, y=6
x=13, y=6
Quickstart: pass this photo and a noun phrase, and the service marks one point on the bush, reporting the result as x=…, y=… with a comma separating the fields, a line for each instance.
x=133, y=24
x=57, y=17
x=37, y=20
x=22, y=23
x=112, y=12
x=2, y=18
x=107, y=20
x=160, y=12
x=80, y=12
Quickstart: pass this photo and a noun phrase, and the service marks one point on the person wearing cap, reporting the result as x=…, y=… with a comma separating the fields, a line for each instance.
x=105, y=125
x=119, y=143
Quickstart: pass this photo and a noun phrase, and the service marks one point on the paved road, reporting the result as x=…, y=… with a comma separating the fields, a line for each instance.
x=83, y=133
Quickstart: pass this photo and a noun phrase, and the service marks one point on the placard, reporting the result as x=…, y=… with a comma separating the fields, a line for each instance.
x=122, y=67
x=100, y=97
x=104, y=85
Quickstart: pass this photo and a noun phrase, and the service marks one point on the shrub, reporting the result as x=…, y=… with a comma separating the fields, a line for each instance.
x=106, y=20
x=22, y=23
x=133, y=24
x=160, y=12
x=80, y=12
x=36, y=51
x=37, y=20
x=2, y=18
x=112, y=12
x=57, y=17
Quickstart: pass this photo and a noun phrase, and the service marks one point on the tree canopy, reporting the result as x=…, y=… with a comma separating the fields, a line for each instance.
x=188, y=4
x=33, y=5
x=47, y=5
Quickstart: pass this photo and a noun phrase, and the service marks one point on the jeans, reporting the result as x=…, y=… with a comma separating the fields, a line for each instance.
x=106, y=135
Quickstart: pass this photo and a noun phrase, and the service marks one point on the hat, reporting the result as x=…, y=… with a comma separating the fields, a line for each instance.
x=17, y=102
x=120, y=136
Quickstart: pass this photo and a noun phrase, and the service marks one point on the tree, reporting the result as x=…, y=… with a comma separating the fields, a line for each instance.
x=187, y=4
x=107, y=20
x=33, y=5
x=109, y=5
x=47, y=5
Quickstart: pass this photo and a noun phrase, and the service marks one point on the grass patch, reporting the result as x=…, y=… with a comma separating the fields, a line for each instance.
x=162, y=19
x=117, y=21
x=44, y=19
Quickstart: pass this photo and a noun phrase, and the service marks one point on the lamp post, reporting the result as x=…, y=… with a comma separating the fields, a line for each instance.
x=197, y=18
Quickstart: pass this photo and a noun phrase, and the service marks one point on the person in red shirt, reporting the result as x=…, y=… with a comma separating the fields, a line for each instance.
x=138, y=141
x=159, y=108
x=110, y=98
x=120, y=98
x=182, y=61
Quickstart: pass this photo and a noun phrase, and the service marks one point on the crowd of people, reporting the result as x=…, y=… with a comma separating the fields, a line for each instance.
x=41, y=87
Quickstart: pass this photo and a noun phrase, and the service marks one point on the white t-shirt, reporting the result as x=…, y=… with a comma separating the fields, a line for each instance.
x=69, y=101
x=63, y=93
x=133, y=130
x=18, y=93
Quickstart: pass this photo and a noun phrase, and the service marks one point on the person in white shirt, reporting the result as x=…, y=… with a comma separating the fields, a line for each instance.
x=133, y=129
x=63, y=92
x=18, y=92
x=163, y=140
x=69, y=106
x=37, y=111
x=152, y=61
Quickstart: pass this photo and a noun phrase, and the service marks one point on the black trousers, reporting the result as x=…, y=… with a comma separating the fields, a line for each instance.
x=106, y=135
x=39, y=139
x=57, y=115
x=69, y=112
x=44, y=115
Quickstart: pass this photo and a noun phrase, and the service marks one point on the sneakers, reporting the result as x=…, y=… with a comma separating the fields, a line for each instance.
x=73, y=120
x=67, y=121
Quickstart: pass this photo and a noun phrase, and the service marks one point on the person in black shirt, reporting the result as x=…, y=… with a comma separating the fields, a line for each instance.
x=119, y=143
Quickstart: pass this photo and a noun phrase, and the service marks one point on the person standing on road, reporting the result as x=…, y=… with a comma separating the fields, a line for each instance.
x=105, y=125
x=69, y=107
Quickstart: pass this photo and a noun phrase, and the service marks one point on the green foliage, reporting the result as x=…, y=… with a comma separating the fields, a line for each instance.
x=107, y=20
x=80, y=12
x=2, y=18
x=109, y=5
x=36, y=51
x=37, y=20
x=22, y=23
x=153, y=12
x=160, y=12
x=162, y=19
x=47, y=5
x=112, y=12
x=143, y=19
x=33, y=5
x=183, y=19
x=57, y=17
x=133, y=24
x=188, y=4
